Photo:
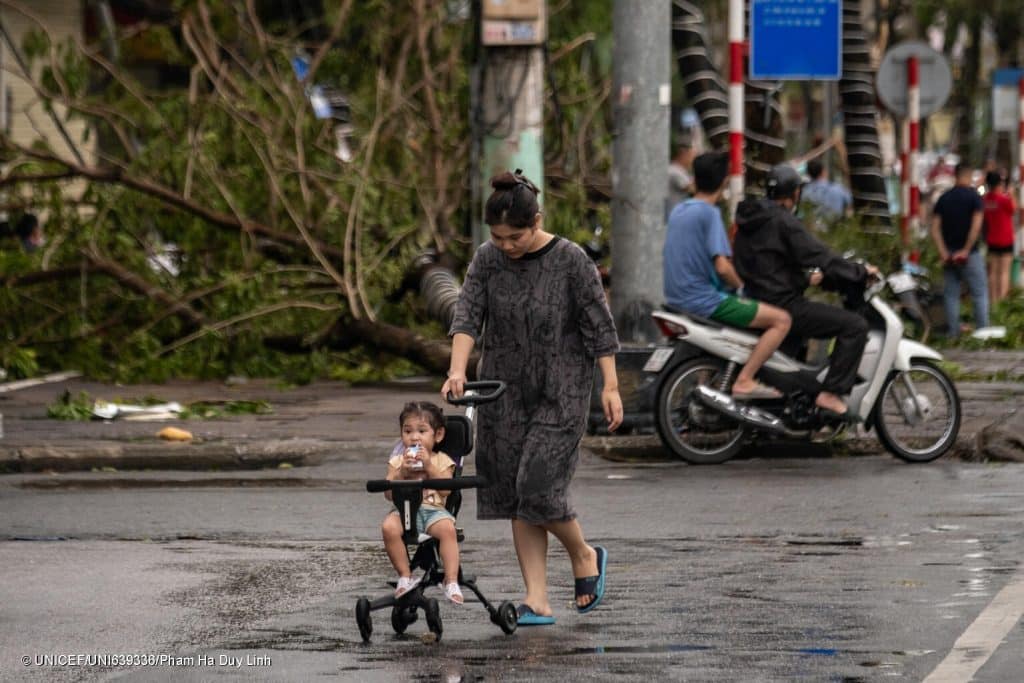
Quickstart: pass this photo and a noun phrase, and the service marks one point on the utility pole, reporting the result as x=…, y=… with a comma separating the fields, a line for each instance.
x=641, y=95
x=509, y=120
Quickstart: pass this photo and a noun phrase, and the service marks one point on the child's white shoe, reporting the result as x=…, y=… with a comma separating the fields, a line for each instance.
x=406, y=584
x=453, y=592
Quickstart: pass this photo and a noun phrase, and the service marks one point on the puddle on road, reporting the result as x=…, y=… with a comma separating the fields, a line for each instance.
x=842, y=542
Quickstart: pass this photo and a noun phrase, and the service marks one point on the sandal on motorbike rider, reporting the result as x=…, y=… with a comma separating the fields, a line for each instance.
x=774, y=253
x=698, y=267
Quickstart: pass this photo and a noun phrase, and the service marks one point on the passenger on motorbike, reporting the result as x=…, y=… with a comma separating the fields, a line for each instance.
x=697, y=266
x=777, y=257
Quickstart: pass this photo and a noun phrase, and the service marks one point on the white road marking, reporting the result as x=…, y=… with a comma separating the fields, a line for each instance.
x=983, y=636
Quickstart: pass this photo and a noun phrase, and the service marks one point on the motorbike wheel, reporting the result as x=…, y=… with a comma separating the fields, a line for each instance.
x=918, y=413
x=692, y=431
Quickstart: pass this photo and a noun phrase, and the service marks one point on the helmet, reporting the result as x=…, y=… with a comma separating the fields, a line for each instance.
x=783, y=181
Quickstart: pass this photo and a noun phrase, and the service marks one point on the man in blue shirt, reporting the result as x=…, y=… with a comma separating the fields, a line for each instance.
x=698, y=268
x=831, y=201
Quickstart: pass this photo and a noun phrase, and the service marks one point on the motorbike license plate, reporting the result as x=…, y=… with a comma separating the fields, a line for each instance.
x=901, y=282
x=658, y=359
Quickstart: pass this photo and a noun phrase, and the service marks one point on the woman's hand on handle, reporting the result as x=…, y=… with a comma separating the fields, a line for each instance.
x=455, y=385
x=462, y=346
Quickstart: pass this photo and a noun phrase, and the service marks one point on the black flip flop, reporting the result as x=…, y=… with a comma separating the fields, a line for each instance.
x=593, y=585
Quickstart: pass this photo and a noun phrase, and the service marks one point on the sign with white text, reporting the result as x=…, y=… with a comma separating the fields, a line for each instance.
x=796, y=40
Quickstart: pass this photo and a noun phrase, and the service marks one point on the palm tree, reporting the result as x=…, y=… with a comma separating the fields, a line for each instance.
x=764, y=141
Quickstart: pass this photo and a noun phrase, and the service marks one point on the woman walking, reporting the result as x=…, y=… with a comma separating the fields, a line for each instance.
x=547, y=320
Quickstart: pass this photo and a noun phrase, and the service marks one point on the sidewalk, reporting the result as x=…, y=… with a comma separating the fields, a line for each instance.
x=331, y=420
x=308, y=424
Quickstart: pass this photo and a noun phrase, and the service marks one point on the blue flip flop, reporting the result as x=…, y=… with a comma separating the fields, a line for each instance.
x=525, y=616
x=593, y=585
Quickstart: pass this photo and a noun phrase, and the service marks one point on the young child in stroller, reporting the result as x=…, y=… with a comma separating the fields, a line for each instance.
x=422, y=426
x=427, y=501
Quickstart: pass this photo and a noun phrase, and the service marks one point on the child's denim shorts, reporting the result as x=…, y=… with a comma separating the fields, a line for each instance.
x=428, y=515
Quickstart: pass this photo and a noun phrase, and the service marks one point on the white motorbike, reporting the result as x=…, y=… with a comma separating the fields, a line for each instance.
x=901, y=392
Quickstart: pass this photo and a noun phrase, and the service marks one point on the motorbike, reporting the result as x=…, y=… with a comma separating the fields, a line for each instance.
x=902, y=393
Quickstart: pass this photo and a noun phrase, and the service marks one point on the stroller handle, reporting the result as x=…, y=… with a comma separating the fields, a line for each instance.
x=495, y=387
x=379, y=485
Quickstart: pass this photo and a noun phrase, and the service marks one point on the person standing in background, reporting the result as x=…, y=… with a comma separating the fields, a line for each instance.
x=831, y=200
x=680, y=175
x=956, y=227
x=999, y=209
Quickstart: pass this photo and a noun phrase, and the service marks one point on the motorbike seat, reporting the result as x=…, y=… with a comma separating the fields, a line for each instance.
x=798, y=354
x=708, y=322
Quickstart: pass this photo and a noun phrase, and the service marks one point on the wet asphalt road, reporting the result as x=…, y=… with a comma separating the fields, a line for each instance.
x=836, y=569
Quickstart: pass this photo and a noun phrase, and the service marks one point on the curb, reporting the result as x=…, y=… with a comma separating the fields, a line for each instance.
x=649, y=448
x=167, y=456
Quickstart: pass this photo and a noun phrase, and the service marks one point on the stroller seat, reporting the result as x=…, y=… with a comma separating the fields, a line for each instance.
x=407, y=497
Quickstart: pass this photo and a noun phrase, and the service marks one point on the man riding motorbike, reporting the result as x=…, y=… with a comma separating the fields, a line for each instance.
x=777, y=257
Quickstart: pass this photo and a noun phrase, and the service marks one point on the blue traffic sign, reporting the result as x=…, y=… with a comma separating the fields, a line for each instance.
x=796, y=39
x=1007, y=77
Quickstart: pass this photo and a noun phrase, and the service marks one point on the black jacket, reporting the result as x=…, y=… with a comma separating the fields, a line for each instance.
x=773, y=251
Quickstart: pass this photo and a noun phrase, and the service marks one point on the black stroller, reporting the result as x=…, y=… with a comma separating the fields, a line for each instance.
x=407, y=495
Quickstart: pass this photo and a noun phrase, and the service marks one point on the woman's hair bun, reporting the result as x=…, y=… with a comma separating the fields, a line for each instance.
x=509, y=181
x=504, y=181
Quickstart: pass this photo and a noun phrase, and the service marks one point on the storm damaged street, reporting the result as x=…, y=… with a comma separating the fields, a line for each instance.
x=765, y=568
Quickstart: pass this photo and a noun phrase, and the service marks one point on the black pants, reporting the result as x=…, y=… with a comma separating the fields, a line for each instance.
x=815, y=320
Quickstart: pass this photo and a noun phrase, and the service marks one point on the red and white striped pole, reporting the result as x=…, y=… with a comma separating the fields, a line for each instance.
x=905, y=182
x=914, y=130
x=1020, y=145
x=735, y=105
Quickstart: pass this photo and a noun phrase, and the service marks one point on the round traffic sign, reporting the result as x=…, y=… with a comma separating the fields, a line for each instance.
x=935, y=80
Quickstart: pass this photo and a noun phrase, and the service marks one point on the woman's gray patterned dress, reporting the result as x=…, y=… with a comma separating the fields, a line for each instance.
x=547, y=320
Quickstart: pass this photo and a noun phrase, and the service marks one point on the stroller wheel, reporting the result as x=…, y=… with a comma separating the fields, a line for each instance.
x=433, y=612
x=401, y=618
x=506, y=617
x=363, y=619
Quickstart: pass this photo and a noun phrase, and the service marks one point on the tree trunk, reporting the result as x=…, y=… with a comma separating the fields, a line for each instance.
x=704, y=86
x=764, y=144
x=860, y=121
x=431, y=354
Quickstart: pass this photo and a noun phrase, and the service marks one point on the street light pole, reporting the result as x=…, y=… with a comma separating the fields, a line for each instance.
x=640, y=156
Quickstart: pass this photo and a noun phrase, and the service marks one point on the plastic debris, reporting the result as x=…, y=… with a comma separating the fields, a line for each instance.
x=985, y=333
x=107, y=410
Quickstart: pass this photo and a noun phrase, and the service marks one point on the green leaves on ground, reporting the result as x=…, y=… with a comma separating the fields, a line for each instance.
x=71, y=407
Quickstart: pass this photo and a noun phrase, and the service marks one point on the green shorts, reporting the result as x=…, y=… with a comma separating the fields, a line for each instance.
x=736, y=311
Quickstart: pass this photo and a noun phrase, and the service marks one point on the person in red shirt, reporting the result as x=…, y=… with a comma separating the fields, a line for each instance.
x=999, y=210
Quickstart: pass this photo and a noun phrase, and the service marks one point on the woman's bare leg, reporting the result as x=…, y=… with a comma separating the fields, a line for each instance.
x=993, y=279
x=531, y=543
x=582, y=556
x=1005, y=266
